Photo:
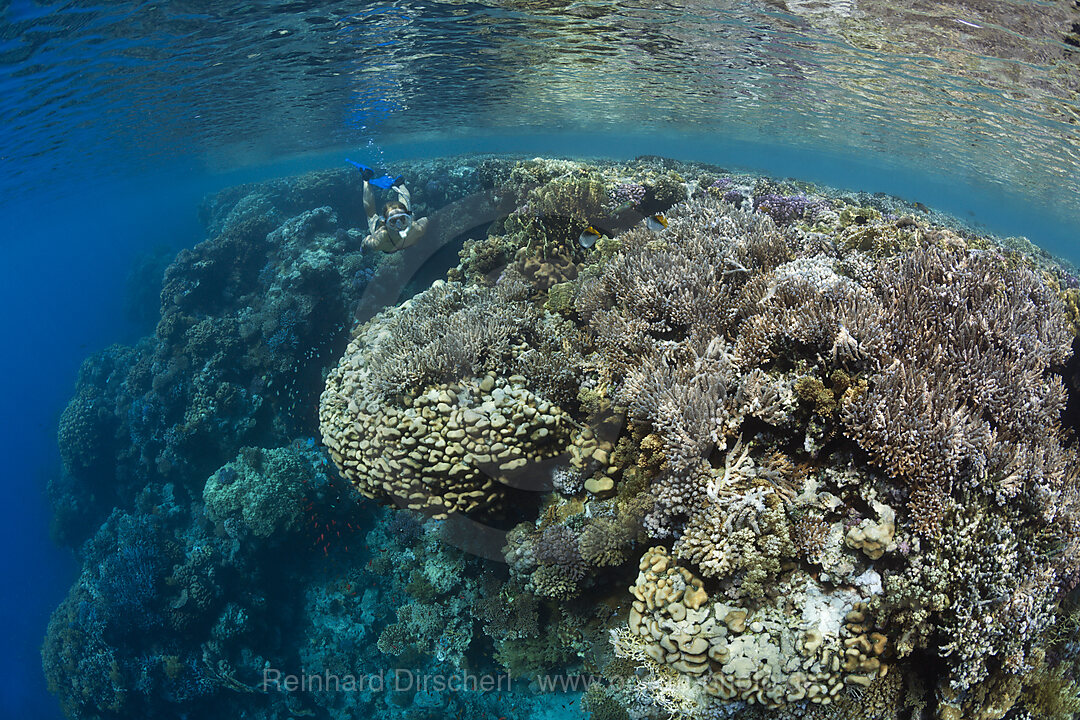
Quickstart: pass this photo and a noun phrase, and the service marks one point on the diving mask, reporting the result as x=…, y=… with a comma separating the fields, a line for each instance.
x=399, y=221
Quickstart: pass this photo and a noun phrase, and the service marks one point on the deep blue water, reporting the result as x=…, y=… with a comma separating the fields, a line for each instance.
x=98, y=172
x=63, y=288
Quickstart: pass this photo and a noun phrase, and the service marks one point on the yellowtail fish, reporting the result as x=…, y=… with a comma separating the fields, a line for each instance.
x=589, y=237
x=656, y=223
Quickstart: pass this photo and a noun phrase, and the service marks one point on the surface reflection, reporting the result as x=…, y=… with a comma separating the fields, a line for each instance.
x=983, y=88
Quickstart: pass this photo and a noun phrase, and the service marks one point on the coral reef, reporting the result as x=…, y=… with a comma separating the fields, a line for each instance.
x=443, y=448
x=796, y=453
x=247, y=320
x=261, y=492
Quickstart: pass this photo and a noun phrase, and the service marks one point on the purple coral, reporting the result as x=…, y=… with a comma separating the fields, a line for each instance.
x=558, y=547
x=734, y=197
x=785, y=209
x=632, y=193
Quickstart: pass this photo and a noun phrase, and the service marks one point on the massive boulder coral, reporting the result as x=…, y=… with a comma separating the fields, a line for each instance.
x=446, y=447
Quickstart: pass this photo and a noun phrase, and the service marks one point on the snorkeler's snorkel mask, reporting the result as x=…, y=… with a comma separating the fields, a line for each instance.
x=399, y=220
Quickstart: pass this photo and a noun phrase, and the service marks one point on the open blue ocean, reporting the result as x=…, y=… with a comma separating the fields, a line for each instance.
x=498, y=360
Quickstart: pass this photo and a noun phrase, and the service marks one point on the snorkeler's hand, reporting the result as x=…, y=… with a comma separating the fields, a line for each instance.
x=366, y=173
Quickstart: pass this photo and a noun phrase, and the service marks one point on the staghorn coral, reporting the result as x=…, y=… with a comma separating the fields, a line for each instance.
x=1004, y=330
x=929, y=370
x=695, y=402
x=605, y=542
x=974, y=591
x=808, y=304
x=692, y=277
x=785, y=209
x=554, y=361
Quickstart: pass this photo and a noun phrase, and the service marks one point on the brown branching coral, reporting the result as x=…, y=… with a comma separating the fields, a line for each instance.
x=449, y=332
x=605, y=542
x=696, y=401
x=747, y=532
x=964, y=387
x=692, y=280
x=684, y=396
x=993, y=327
x=915, y=426
x=809, y=535
x=807, y=304
x=553, y=362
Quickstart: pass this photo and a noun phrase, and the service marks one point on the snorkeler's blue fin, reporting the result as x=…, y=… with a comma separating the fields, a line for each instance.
x=365, y=172
x=385, y=182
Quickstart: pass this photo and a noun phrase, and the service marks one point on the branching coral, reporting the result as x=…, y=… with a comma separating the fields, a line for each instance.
x=605, y=542
x=981, y=594
x=561, y=564
x=692, y=278
x=743, y=534
x=971, y=341
x=447, y=333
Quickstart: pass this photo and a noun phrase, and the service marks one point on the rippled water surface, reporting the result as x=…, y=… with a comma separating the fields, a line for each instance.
x=987, y=89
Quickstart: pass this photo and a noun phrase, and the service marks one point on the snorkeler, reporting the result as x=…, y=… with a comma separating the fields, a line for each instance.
x=395, y=228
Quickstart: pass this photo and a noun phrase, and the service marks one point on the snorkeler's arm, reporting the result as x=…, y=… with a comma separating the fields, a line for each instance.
x=369, y=200
x=404, y=197
x=415, y=232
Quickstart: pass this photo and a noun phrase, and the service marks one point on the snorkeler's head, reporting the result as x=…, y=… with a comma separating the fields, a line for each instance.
x=397, y=216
